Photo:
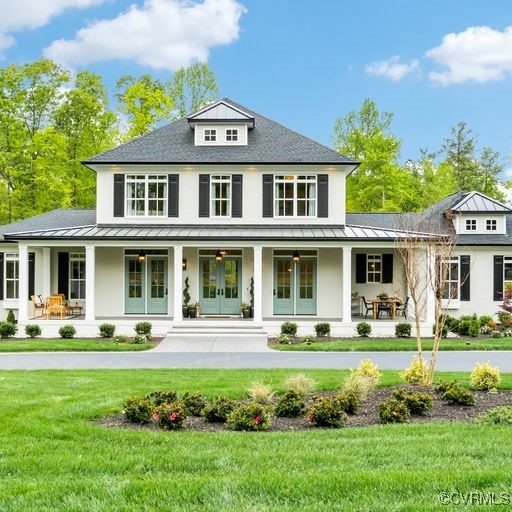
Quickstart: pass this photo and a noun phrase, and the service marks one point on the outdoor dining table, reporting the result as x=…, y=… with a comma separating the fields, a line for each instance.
x=392, y=302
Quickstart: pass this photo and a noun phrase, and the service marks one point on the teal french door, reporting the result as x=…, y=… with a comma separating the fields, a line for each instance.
x=220, y=286
x=146, y=285
x=294, y=286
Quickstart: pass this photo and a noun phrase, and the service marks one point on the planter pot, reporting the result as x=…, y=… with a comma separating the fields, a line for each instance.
x=251, y=313
x=246, y=313
x=184, y=311
x=192, y=313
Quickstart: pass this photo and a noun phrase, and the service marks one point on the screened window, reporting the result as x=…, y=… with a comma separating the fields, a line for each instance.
x=470, y=224
x=295, y=196
x=232, y=135
x=450, y=274
x=507, y=272
x=220, y=196
x=491, y=224
x=12, y=276
x=374, y=268
x=77, y=276
x=146, y=195
x=210, y=135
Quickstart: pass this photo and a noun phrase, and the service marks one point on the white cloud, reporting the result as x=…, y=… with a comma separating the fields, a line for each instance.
x=161, y=34
x=392, y=68
x=18, y=15
x=479, y=54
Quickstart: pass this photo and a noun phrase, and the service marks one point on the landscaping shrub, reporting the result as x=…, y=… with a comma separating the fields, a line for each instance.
x=501, y=415
x=455, y=394
x=451, y=323
x=140, y=339
x=219, y=409
x=162, y=397
x=138, y=409
x=403, y=330
x=416, y=373
x=284, y=339
x=170, y=416
x=485, y=377
x=444, y=385
x=120, y=339
x=327, y=411
x=194, y=403
x=308, y=340
x=417, y=402
x=249, y=417
x=353, y=393
x=67, y=332
x=107, y=330
x=486, y=320
x=367, y=368
x=290, y=405
x=465, y=323
x=497, y=334
x=474, y=328
x=364, y=329
x=300, y=384
x=486, y=330
x=393, y=411
x=32, y=330
x=505, y=318
x=260, y=393
x=289, y=328
x=444, y=331
x=143, y=329
x=7, y=329
x=11, y=318
x=323, y=329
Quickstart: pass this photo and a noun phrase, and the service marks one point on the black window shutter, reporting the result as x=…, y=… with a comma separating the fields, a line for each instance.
x=268, y=195
x=118, y=195
x=498, y=278
x=323, y=195
x=360, y=268
x=204, y=195
x=173, y=195
x=1, y=276
x=236, y=195
x=63, y=274
x=387, y=268
x=31, y=273
x=465, y=285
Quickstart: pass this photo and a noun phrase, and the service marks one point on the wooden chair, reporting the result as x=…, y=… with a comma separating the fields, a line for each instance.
x=55, y=306
x=38, y=305
x=385, y=307
x=401, y=309
x=367, y=307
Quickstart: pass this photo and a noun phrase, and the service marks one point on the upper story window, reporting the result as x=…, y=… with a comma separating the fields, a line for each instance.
x=12, y=276
x=374, y=268
x=146, y=195
x=220, y=196
x=450, y=276
x=77, y=276
x=507, y=272
x=491, y=224
x=295, y=196
x=210, y=135
x=470, y=224
x=232, y=135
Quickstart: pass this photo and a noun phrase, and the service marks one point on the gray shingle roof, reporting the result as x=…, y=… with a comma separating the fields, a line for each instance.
x=269, y=142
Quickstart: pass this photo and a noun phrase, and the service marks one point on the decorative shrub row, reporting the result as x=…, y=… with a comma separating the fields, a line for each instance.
x=289, y=331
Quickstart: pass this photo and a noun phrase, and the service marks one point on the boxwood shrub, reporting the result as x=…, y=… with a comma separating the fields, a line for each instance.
x=32, y=330
x=67, y=332
x=364, y=329
x=249, y=417
x=138, y=409
x=107, y=330
x=393, y=411
x=219, y=409
x=289, y=328
x=323, y=329
x=327, y=411
x=290, y=405
x=7, y=329
x=403, y=330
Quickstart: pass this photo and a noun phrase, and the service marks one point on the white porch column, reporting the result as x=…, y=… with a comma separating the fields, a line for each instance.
x=46, y=277
x=258, y=284
x=430, y=306
x=90, y=282
x=23, y=284
x=347, y=284
x=178, y=283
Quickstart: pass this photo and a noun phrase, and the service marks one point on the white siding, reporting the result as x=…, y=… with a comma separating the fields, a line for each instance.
x=220, y=129
x=481, y=223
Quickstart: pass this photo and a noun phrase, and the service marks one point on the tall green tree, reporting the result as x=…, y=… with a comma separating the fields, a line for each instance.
x=490, y=169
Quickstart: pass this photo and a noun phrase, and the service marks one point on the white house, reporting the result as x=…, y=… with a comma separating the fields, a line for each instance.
x=235, y=204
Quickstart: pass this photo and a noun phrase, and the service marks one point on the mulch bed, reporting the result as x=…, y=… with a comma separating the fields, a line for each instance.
x=368, y=415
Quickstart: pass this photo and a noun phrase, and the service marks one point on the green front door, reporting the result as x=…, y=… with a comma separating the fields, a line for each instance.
x=157, y=285
x=220, y=292
x=305, y=296
x=135, y=287
x=284, y=286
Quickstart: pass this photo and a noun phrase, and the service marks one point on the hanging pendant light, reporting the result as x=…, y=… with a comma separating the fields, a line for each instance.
x=296, y=255
x=142, y=256
x=218, y=256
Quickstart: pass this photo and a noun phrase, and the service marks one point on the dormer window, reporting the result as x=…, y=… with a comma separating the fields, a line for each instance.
x=470, y=224
x=232, y=135
x=491, y=224
x=210, y=135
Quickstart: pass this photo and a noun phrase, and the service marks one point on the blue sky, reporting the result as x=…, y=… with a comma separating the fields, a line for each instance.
x=301, y=62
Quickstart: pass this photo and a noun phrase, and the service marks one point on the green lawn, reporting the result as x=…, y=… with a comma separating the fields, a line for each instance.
x=73, y=345
x=52, y=458
x=394, y=344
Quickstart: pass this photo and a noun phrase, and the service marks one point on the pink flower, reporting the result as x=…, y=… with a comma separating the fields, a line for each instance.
x=154, y=416
x=173, y=416
x=257, y=420
x=309, y=417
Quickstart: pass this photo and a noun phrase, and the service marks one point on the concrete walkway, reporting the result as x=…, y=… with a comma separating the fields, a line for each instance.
x=214, y=343
x=448, y=361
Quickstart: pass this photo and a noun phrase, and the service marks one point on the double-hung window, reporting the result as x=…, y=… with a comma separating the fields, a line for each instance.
x=77, y=276
x=295, y=196
x=450, y=278
x=220, y=196
x=146, y=195
x=12, y=276
x=374, y=268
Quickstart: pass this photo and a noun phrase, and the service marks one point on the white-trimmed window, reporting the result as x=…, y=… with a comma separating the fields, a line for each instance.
x=146, y=195
x=450, y=273
x=220, y=196
x=470, y=224
x=210, y=135
x=12, y=276
x=232, y=135
x=374, y=268
x=77, y=275
x=491, y=224
x=295, y=196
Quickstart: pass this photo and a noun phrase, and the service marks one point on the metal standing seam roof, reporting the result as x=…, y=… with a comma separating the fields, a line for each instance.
x=474, y=202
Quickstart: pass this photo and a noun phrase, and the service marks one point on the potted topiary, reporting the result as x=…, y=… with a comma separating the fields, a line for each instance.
x=193, y=310
x=245, y=309
x=251, y=294
x=186, y=299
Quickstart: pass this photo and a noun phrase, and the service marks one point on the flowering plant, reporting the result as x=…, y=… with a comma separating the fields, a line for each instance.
x=171, y=416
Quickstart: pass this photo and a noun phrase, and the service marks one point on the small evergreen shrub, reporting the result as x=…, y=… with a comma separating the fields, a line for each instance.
x=219, y=409
x=170, y=416
x=140, y=339
x=465, y=323
x=486, y=320
x=497, y=334
x=67, y=332
x=485, y=377
x=260, y=393
x=403, y=330
x=194, y=403
x=444, y=385
x=162, y=397
x=290, y=405
x=300, y=384
x=501, y=415
x=474, y=328
x=249, y=417
x=416, y=373
x=143, y=329
x=455, y=394
x=417, y=402
x=107, y=330
x=354, y=392
x=138, y=409
x=120, y=339
x=289, y=328
x=284, y=339
x=32, y=330
x=367, y=368
x=11, y=318
x=323, y=329
x=393, y=411
x=327, y=411
x=7, y=329
x=364, y=329
x=308, y=340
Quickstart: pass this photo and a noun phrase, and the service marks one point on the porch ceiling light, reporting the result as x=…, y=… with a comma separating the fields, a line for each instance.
x=218, y=256
x=296, y=255
x=184, y=264
x=142, y=256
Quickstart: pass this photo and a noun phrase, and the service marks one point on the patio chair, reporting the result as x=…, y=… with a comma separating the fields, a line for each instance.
x=385, y=307
x=38, y=305
x=401, y=309
x=55, y=306
x=368, y=307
